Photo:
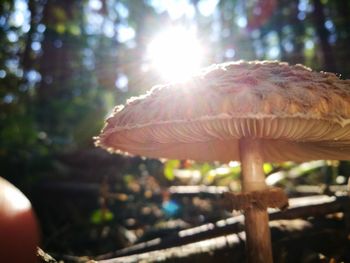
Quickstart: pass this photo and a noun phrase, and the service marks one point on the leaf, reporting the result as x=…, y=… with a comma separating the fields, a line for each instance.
x=205, y=168
x=60, y=28
x=74, y=29
x=169, y=169
x=99, y=216
x=267, y=168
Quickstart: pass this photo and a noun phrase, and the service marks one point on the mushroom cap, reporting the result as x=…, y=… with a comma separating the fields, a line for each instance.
x=298, y=115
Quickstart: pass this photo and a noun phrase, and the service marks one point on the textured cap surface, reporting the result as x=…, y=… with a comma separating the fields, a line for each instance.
x=298, y=114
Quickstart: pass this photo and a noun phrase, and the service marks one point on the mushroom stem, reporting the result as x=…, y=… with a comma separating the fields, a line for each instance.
x=258, y=236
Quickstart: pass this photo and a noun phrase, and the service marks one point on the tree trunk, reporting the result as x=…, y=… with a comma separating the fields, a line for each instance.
x=298, y=29
x=323, y=35
x=56, y=64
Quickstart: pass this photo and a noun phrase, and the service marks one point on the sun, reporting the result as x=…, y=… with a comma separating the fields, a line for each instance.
x=176, y=54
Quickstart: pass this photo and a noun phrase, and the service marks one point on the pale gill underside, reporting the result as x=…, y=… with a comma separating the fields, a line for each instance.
x=293, y=142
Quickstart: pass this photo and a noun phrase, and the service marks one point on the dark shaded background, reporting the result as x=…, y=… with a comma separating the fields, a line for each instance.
x=65, y=64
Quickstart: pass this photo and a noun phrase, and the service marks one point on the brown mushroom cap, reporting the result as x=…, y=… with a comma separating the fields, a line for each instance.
x=298, y=114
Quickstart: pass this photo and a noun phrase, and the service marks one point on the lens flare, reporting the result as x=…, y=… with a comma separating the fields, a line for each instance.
x=176, y=54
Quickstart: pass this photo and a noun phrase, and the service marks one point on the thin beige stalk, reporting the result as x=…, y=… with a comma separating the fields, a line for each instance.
x=258, y=237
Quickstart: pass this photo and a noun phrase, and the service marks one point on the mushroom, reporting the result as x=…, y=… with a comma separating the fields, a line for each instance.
x=252, y=112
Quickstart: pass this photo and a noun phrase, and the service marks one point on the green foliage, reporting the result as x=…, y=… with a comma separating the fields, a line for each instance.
x=169, y=167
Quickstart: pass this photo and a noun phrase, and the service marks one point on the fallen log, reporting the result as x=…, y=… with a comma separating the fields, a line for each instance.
x=304, y=207
x=307, y=239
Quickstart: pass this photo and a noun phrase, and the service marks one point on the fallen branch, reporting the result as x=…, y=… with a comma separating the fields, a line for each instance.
x=44, y=257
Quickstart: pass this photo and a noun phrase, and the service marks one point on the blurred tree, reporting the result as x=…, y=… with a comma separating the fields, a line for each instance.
x=67, y=94
x=323, y=35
